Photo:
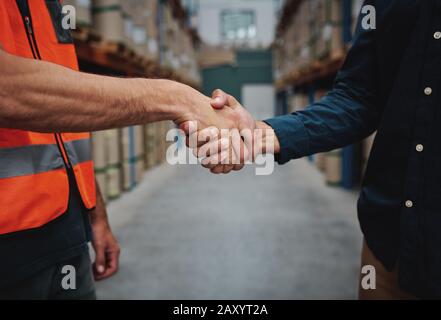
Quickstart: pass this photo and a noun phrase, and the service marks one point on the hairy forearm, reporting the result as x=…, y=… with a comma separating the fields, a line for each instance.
x=44, y=97
x=99, y=213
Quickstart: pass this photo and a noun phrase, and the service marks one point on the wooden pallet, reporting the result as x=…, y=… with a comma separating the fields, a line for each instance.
x=113, y=55
x=85, y=34
x=318, y=69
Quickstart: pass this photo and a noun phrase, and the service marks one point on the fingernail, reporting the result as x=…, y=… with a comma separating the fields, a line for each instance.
x=100, y=269
x=217, y=100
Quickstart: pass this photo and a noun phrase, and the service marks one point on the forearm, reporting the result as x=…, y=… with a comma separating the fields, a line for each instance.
x=99, y=213
x=44, y=97
x=338, y=120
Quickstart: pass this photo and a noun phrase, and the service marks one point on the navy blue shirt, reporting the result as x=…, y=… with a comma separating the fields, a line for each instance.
x=389, y=83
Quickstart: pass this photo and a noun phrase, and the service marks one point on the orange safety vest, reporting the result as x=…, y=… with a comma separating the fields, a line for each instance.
x=34, y=186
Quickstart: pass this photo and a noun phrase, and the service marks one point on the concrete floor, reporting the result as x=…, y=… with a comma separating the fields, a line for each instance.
x=187, y=234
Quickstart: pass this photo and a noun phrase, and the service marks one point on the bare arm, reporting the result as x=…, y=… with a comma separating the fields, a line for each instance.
x=104, y=243
x=44, y=97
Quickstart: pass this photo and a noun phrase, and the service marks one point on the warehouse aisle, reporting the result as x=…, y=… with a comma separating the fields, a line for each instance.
x=186, y=234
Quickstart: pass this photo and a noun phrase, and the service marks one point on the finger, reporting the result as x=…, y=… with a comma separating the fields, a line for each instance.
x=99, y=266
x=238, y=167
x=217, y=170
x=202, y=137
x=213, y=147
x=197, y=139
x=214, y=160
x=247, y=136
x=219, y=99
x=240, y=150
x=112, y=264
x=212, y=166
x=227, y=168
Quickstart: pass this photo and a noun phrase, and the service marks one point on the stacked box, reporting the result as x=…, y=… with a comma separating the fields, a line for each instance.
x=83, y=11
x=140, y=27
x=139, y=153
x=152, y=29
x=150, y=145
x=132, y=142
x=160, y=142
x=105, y=153
x=320, y=161
x=113, y=172
x=297, y=102
x=303, y=47
x=333, y=167
x=139, y=15
x=100, y=160
x=330, y=30
x=108, y=19
x=179, y=53
x=127, y=153
x=126, y=11
x=314, y=34
x=171, y=35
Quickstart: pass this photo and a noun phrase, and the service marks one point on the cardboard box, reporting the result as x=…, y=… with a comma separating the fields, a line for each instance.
x=108, y=19
x=83, y=11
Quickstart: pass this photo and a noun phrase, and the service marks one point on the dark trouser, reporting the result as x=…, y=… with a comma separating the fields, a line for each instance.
x=387, y=287
x=57, y=282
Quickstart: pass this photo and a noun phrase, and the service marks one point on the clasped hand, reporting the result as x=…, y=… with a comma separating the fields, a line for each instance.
x=226, y=139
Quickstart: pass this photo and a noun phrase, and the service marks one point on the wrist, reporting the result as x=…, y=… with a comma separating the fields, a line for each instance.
x=98, y=216
x=182, y=102
x=98, y=213
x=270, y=142
x=162, y=99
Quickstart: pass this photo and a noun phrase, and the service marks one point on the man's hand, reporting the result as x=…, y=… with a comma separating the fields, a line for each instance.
x=256, y=137
x=105, y=245
x=245, y=124
x=202, y=121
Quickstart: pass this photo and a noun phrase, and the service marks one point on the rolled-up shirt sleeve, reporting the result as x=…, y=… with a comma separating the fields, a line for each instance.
x=347, y=114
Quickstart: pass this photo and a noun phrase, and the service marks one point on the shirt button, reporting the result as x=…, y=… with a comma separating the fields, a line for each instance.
x=409, y=204
x=428, y=91
x=419, y=148
x=437, y=35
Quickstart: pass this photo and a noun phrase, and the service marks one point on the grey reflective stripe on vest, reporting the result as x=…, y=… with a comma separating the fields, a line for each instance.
x=78, y=151
x=22, y=161
x=28, y=160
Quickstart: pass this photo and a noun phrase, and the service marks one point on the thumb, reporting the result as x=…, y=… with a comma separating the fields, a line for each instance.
x=219, y=99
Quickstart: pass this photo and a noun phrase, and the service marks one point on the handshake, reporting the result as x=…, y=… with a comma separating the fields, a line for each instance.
x=223, y=134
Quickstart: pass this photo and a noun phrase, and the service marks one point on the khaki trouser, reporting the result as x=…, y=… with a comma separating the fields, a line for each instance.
x=387, y=287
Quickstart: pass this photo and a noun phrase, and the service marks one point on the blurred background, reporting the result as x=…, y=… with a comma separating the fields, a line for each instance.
x=184, y=233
